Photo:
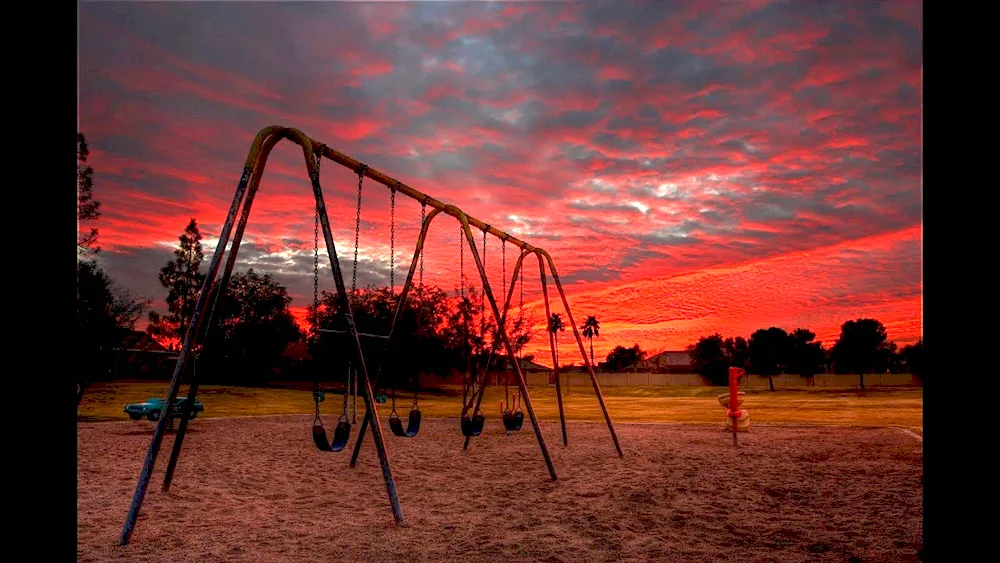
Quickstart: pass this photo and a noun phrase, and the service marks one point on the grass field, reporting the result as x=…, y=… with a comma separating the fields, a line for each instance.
x=696, y=404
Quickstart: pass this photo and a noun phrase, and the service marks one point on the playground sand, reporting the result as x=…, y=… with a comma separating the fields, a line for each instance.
x=256, y=489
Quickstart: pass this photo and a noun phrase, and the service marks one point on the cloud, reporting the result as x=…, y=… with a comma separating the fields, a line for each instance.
x=635, y=143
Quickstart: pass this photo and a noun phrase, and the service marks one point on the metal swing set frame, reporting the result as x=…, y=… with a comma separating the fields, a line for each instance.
x=313, y=151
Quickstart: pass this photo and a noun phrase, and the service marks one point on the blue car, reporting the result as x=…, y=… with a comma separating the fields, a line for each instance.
x=153, y=406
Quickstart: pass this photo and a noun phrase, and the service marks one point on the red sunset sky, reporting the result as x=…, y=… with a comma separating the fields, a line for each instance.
x=692, y=167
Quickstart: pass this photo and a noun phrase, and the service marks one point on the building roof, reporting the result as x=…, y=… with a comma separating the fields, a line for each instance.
x=139, y=341
x=528, y=364
x=672, y=358
x=297, y=351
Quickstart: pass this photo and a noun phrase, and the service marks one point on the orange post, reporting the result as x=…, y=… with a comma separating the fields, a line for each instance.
x=734, y=400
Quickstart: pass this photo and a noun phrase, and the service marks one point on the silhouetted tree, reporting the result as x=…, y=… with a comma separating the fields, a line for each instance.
x=88, y=208
x=860, y=348
x=913, y=357
x=183, y=280
x=591, y=329
x=769, y=352
x=430, y=335
x=620, y=356
x=105, y=313
x=739, y=351
x=710, y=358
x=252, y=325
x=805, y=356
x=556, y=325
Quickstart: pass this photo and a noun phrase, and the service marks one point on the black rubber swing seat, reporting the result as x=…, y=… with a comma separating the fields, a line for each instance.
x=509, y=421
x=513, y=421
x=473, y=426
x=412, y=425
x=319, y=436
x=518, y=420
x=340, y=435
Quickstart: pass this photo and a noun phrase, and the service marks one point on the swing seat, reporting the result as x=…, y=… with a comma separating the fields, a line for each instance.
x=742, y=418
x=412, y=425
x=511, y=422
x=340, y=436
x=473, y=426
x=518, y=420
x=724, y=399
x=319, y=437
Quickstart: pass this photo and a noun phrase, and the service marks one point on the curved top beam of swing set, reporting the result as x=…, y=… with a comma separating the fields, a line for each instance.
x=311, y=147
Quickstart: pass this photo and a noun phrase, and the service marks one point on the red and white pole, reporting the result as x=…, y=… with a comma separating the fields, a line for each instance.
x=734, y=400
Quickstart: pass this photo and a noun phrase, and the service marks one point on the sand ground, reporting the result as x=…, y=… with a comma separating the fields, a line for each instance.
x=256, y=489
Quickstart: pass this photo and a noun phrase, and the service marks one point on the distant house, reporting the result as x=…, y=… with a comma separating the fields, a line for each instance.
x=296, y=352
x=140, y=355
x=138, y=341
x=295, y=362
x=529, y=366
x=665, y=362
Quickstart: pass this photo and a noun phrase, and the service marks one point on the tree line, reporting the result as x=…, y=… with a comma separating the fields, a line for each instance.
x=252, y=325
x=862, y=348
x=105, y=311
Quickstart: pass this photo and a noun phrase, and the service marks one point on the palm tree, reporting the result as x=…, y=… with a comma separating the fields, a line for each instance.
x=555, y=325
x=591, y=328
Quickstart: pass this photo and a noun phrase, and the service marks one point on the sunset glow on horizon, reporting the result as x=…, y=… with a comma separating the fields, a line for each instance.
x=692, y=167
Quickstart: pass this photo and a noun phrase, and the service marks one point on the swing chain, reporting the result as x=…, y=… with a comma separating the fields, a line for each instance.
x=503, y=276
x=316, y=400
x=461, y=262
x=482, y=296
x=319, y=163
x=357, y=229
x=423, y=217
x=347, y=388
x=316, y=274
x=392, y=238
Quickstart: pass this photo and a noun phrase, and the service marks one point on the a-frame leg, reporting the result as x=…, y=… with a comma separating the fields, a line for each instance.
x=345, y=306
x=503, y=326
x=218, y=291
x=161, y=425
x=400, y=306
x=552, y=348
x=506, y=342
x=583, y=352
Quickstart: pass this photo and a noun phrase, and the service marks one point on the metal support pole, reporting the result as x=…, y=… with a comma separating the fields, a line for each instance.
x=369, y=395
x=552, y=348
x=400, y=306
x=161, y=425
x=583, y=351
x=501, y=326
x=218, y=291
x=503, y=335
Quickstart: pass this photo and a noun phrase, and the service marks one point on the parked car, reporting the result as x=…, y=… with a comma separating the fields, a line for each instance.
x=153, y=406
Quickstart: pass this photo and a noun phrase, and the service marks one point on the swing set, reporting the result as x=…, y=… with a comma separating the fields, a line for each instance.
x=472, y=417
x=343, y=429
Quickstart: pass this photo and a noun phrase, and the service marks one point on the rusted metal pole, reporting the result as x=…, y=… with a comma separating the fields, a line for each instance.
x=218, y=291
x=369, y=395
x=400, y=306
x=454, y=211
x=154, y=447
x=583, y=351
x=501, y=326
x=552, y=348
x=412, y=193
